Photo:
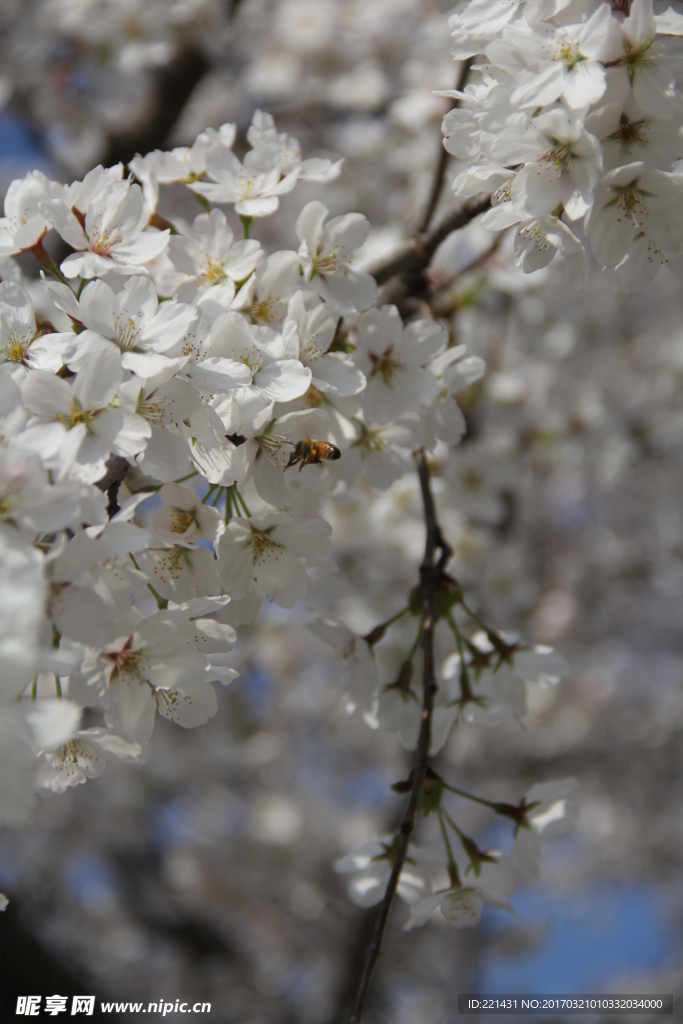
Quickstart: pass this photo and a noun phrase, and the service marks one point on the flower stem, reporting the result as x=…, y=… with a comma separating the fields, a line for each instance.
x=452, y=859
x=416, y=643
x=475, y=617
x=465, y=686
x=469, y=796
x=242, y=502
x=247, y=224
x=47, y=263
x=161, y=601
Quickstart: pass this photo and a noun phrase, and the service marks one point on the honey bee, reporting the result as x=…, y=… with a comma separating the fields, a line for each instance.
x=312, y=453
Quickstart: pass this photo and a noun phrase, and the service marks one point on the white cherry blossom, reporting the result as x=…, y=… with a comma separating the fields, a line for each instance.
x=211, y=260
x=183, y=519
x=20, y=341
x=265, y=295
x=268, y=555
x=75, y=424
x=637, y=221
x=356, y=662
x=182, y=164
x=253, y=186
x=149, y=336
x=553, y=815
x=277, y=374
x=462, y=905
x=326, y=251
x=25, y=223
x=155, y=666
x=113, y=235
x=392, y=358
x=333, y=373
x=85, y=756
x=371, y=866
x=565, y=62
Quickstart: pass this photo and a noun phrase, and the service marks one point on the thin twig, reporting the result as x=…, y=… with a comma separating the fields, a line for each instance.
x=431, y=572
x=440, y=306
x=416, y=256
x=442, y=163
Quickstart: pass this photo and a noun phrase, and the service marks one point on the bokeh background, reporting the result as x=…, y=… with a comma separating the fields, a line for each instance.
x=206, y=875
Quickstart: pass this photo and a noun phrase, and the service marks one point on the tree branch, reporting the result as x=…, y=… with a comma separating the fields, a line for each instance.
x=174, y=85
x=431, y=572
x=117, y=467
x=442, y=301
x=442, y=163
x=416, y=256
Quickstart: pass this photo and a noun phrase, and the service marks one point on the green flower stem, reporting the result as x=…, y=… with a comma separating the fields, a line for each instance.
x=416, y=643
x=161, y=601
x=490, y=633
x=34, y=688
x=468, y=796
x=459, y=833
x=465, y=685
x=452, y=866
x=247, y=224
x=228, y=504
x=218, y=496
x=377, y=632
x=212, y=488
x=396, y=617
x=243, y=503
x=58, y=687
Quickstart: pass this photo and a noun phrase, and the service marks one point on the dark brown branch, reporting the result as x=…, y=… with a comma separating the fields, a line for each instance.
x=174, y=85
x=117, y=467
x=442, y=163
x=431, y=572
x=28, y=966
x=416, y=256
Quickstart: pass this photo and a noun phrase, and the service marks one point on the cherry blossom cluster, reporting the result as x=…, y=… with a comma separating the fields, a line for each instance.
x=574, y=129
x=177, y=409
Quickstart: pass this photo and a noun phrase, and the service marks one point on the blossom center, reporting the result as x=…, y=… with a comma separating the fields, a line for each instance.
x=213, y=271
x=637, y=57
x=330, y=261
x=262, y=544
x=181, y=521
x=76, y=415
x=127, y=338
x=370, y=442
x=570, y=55
x=16, y=350
x=629, y=198
x=534, y=233
x=263, y=310
x=386, y=365
x=631, y=133
x=560, y=155
x=124, y=661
